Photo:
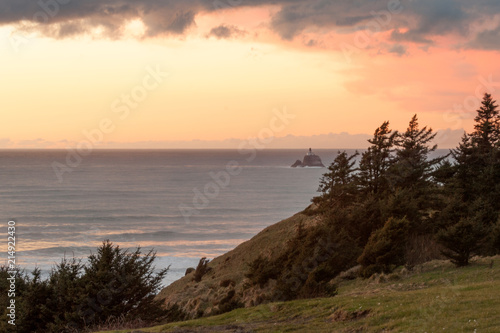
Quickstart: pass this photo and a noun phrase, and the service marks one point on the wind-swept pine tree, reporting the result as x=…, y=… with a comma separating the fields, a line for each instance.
x=376, y=160
x=338, y=186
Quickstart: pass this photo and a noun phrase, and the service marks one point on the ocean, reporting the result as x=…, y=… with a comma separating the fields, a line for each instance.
x=184, y=204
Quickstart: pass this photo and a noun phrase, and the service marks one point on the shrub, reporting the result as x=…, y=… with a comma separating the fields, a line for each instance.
x=229, y=303
x=34, y=314
x=175, y=313
x=261, y=270
x=66, y=283
x=201, y=269
x=308, y=266
x=226, y=283
x=385, y=248
x=462, y=240
x=120, y=283
x=495, y=238
x=115, y=287
x=420, y=249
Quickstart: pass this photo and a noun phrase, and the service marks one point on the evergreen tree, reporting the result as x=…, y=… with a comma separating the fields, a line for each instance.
x=477, y=159
x=462, y=240
x=487, y=128
x=412, y=169
x=376, y=160
x=65, y=283
x=410, y=176
x=113, y=284
x=386, y=248
x=34, y=314
x=338, y=185
x=373, y=183
x=121, y=283
x=467, y=168
x=476, y=187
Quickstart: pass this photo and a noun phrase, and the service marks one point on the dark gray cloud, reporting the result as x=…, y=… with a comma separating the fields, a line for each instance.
x=487, y=40
x=410, y=20
x=63, y=18
x=311, y=43
x=226, y=31
x=417, y=21
x=398, y=49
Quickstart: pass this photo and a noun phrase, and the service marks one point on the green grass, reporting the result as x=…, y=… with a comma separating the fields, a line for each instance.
x=441, y=298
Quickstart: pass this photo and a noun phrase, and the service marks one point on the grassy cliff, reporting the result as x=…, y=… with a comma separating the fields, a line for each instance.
x=225, y=281
x=434, y=297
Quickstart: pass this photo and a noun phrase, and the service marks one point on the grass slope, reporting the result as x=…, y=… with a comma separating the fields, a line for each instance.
x=199, y=297
x=436, y=297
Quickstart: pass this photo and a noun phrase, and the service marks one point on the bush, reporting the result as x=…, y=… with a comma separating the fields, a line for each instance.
x=421, y=249
x=495, y=238
x=66, y=282
x=122, y=283
x=310, y=261
x=462, y=240
x=115, y=286
x=385, y=249
x=34, y=314
x=261, y=270
x=228, y=303
x=201, y=269
x=226, y=283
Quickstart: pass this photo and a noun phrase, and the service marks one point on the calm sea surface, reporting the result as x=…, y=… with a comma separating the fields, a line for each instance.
x=186, y=204
x=133, y=198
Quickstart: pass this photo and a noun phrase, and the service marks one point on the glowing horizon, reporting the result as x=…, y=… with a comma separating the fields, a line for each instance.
x=229, y=69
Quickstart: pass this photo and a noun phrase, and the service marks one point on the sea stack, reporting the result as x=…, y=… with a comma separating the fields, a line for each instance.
x=310, y=160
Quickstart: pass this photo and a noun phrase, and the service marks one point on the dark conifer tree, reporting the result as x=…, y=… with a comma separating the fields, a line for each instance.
x=487, y=128
x=121, y=283
x=338, y=186
x=478, y=158
x=477, y=186
x=412, y=168
x=377, y=160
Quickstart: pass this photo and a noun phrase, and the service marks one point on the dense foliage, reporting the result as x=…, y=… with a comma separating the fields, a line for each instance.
x=398, y=205
x=114, y=284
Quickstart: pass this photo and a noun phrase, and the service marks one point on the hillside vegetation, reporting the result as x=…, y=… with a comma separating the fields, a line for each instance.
x=435, y=297
x=385, y=218
x=396, y=207
x=225, y=283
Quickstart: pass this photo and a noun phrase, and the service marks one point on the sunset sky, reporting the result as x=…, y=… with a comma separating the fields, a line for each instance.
x=336, y=66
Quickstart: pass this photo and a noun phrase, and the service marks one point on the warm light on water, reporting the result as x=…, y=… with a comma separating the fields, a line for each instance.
x=133, y=199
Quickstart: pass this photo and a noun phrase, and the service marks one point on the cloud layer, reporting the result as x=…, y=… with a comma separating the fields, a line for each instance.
x=226, y=31
x=445, y=139
x=476, y=23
